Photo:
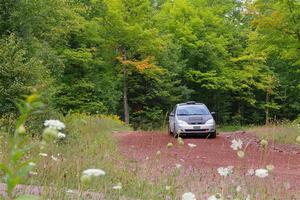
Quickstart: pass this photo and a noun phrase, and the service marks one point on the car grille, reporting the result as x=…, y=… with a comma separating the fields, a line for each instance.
x=196, y=123
x=197, y=130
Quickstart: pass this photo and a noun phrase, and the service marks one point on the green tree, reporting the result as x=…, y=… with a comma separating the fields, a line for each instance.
x=276, y=35
x=19, y=74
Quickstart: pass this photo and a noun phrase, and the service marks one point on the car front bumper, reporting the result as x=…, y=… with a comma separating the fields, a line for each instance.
x=190, y=129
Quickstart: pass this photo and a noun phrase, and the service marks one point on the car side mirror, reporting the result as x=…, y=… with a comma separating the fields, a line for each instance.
x=213, y=113
x=171, y=114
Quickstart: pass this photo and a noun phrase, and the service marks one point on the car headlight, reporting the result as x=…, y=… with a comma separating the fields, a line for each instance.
x=210, y=122
x=182, y=123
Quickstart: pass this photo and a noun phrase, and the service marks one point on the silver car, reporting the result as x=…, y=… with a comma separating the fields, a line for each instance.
x=192, y=118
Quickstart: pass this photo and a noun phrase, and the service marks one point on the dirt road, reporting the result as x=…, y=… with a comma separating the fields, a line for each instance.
x=149, y=152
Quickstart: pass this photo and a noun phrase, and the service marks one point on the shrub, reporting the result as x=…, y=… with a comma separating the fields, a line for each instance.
x=80, y=97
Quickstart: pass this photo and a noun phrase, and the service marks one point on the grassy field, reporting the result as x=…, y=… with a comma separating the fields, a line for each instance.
x=283, y=133
x=88, y=144
x=232, y=128
x=280, y=133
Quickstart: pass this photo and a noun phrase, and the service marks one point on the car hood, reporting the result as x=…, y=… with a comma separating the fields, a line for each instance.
x=195, y=119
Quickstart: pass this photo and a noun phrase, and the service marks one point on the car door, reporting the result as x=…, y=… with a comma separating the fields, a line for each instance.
x=172, y=119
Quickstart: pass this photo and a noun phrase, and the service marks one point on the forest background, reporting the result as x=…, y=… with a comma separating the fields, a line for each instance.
x=240, y=58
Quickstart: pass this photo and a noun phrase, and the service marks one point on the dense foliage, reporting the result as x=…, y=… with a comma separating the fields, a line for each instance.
x=241, y=58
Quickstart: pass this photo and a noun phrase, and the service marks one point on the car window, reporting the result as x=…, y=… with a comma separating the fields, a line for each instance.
x=192, y=110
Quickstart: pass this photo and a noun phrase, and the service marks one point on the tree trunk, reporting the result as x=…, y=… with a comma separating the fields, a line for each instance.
x=125, y=98
x=267, y=107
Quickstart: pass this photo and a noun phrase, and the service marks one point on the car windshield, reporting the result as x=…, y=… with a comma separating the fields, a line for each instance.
x=192, y=110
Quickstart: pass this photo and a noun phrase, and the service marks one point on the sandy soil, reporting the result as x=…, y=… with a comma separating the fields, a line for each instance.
x=200, y=163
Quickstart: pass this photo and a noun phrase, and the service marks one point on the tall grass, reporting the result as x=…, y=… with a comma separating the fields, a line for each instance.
x=233, y=127
x=89, y=144
x=283, y=133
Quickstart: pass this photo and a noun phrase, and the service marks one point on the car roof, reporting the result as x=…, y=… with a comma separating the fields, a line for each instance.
x=189, y=103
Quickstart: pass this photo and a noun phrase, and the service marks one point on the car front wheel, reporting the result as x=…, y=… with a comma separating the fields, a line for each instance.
x=175, y=134
x=212, y=135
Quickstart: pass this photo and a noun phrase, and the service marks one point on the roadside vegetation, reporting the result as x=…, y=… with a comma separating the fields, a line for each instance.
x=232, y=128
x=283, y=133
x=58, y=165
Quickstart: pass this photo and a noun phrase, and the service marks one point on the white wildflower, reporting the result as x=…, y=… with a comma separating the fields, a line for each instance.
x=188, y=196
x=21, y=130
x=248, y=197
x=54, y=158
x=54, y=124
x=178, y=166
x=158, y=153
x=192, y=145
x=238, y=188
x=94, y=172
x=215, y=197
x=61, y=135
x=31, y=164
x=70, y=191
x=117, y=187
x=43, y=154
x=33, y=173
x=261, y=173
x=236, y=144
x=250, y=172
x=225, y=171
